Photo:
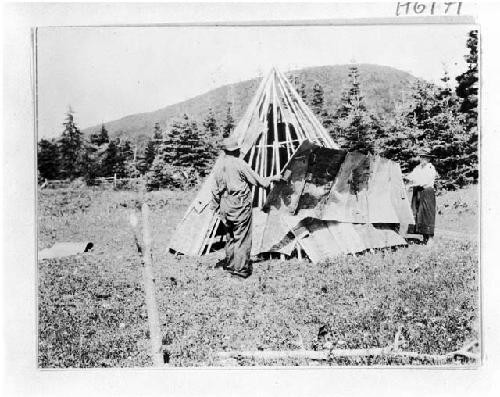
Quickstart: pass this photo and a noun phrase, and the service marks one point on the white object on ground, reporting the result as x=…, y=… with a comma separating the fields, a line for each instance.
x=65, y=249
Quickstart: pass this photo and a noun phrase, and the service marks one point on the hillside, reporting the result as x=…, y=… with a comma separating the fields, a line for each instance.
x=381, y=85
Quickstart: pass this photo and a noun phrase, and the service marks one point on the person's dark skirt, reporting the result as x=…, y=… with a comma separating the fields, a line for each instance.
x=423, y=205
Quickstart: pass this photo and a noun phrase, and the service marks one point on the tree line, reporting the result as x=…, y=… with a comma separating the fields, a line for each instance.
x=72, y=155
x=184, y=154
x=440, y=119
x=176, y=157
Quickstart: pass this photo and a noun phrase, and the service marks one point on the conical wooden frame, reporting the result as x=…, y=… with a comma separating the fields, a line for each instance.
x=275, y=123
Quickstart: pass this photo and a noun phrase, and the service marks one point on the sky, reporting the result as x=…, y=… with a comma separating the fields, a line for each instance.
x=105, y=73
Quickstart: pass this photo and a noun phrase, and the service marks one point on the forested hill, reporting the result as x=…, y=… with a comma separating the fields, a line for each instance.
x=381, y=86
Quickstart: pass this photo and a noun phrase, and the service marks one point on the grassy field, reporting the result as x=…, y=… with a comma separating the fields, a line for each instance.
x=92, y=311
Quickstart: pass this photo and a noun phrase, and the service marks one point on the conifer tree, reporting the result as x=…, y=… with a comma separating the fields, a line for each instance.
x=467, y=90
x=353, y=126
x=94, y=153
x=210, y=124
x=303, y=92
x=431, y=119
x=157, y=133
x=48, y=159
x=170, y=150
x=211, y=134
x=91, y=163
x=150, y=152
x=71, y=148
x=317, y=99
x=101, y=137
x=182, y=152
x=160, y=174
x=449, y=139
x=153, y=145
x=300, y=87
x=408, y=131
x=110, y=159
x=125, y=166
x=183, y=146
x=116, y=158
x=467, y=87
x=228, y=123
x=126, y=150
x=399, y=146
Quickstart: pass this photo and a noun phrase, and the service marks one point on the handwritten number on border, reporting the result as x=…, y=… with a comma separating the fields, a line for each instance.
x=434, y=8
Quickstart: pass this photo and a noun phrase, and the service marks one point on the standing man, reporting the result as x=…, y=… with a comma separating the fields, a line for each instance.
x=423, y=202
x=232, y=197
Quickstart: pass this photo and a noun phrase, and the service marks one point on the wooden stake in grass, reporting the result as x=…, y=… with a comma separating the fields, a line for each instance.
x=149, y=284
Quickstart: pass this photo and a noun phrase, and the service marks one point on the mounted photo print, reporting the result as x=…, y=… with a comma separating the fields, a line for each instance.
x=259, y=193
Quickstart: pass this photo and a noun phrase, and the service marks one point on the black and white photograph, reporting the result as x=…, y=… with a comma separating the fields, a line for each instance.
x=256, y=198
x=241, y=196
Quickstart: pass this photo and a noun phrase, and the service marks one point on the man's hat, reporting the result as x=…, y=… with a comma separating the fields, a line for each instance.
x=230, y=144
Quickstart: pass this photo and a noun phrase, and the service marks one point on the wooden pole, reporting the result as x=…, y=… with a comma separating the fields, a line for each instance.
x=299, y=250
x=251, y=158
x=263, y=153
x=289, y=147
x=257, y=190
x=307, y=354
x=328, y=354
x=207, y=234
x=389, y=351
x=276, y=166
x=149, y=286
x=309, y=115
x=254, y=104
x=213, y=236
x=301, y=129
x=302, y=112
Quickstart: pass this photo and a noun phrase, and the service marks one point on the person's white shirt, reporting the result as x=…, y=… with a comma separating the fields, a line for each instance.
x=423, y=175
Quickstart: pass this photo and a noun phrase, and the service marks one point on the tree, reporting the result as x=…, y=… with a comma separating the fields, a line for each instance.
x=317, y=99
x=211, y=134
x=150, y=152
x=48, y=159
x=467, y=90
x=182, y=157
x=91, y=163
x=125, y=167
x=71, y=149
x=101, y=137
x=300, y=87
x=152, y=146
x=228, y=123
x=431, y=119
x=94, y=152
x=169, y=149
x=126, y=150
x=111, y=159
x=400, y=144
x=184, y=147
x=157, y=133
x=352, y=125
x=409, y=131
x=449, y=139
x=210, y=124
x=161, y=174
